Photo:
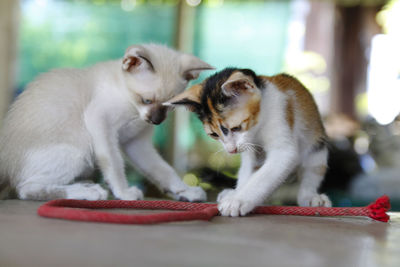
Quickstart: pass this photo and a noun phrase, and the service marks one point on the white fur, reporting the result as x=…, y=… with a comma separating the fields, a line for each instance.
x=286, y=150
x=68, y=121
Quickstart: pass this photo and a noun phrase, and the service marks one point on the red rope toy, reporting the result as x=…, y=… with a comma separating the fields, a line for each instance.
x=186, y=211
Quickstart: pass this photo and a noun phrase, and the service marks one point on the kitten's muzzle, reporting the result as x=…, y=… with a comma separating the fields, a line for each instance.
x=233, y=151
x=157, y=114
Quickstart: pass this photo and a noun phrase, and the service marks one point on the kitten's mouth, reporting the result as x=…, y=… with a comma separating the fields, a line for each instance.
x=234, y=151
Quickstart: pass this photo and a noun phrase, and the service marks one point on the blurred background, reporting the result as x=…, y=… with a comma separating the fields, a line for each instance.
x=347, y=52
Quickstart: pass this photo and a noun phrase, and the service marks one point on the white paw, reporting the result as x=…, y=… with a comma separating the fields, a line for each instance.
x=316, y=200
x=192, y=194
x=86, y=191
x=225, y=193
x=234, y=206
x=131, y=193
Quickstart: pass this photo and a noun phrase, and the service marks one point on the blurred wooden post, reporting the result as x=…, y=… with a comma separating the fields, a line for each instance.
x=9, y=15
x=183, y=42
x=354, y=29
x=319, y=38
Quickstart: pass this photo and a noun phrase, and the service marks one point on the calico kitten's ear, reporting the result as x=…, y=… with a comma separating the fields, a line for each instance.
x=191, y=66
x=237, y=84
x=134, y=57
x=189, y=98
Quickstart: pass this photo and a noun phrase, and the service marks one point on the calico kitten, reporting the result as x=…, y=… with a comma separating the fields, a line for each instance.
x=273, y=122
x=69, y=121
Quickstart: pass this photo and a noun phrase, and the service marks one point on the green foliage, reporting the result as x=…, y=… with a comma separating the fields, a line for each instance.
x=78, y=34
x=241, y=34
x=81, y=33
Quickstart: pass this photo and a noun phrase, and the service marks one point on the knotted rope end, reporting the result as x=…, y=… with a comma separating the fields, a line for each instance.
x=378, y=209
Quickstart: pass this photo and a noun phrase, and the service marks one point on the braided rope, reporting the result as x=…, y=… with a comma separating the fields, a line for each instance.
x=77, y=210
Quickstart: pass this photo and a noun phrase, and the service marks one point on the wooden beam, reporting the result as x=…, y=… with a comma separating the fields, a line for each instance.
x=9, y=16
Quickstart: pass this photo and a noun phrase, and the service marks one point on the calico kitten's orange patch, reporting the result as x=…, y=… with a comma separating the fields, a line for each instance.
x=244, y=114
x=290, y=133
x=304, y=102
x=232, y=98
x=290, y=113
x=231, y=101
x=245, y=110
x=189, y=98
x=214, y=120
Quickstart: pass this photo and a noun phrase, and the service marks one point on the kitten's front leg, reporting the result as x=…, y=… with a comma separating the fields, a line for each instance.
x=147, y=160
x=246, y=168
x=108, y=155
x=262, y=183
x=244, y=174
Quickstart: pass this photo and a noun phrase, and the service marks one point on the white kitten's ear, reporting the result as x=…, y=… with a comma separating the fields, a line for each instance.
x=237, y=84
x=189, y=98
x=191, y=66
x=134, y=57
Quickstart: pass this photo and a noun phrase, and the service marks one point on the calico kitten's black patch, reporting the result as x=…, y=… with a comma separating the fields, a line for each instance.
x=194, y=106
x=212, y=90
x=224, y=130
x=258, y=82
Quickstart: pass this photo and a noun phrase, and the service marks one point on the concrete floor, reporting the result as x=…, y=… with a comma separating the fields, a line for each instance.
x=29, y=240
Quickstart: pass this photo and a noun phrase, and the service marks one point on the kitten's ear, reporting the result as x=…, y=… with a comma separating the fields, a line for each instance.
x=189, y=98
x=191, y=66
x=237, y=84
x=134, y=57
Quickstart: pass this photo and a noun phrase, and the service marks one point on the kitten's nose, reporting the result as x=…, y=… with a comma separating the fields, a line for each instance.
x=158, y=114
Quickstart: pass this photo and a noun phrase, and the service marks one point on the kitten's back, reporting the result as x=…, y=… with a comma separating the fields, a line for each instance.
x=299, y=99
x=49, y=111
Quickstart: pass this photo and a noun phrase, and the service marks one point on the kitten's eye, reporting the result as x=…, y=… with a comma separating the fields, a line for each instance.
x=147, y=101
x=214, y=135
x=236, y=129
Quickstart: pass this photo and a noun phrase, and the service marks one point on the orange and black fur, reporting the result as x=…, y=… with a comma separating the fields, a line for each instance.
x=273, y=122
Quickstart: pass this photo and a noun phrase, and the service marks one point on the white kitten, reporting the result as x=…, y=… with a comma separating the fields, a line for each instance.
x=275, y=125
x=69, y=120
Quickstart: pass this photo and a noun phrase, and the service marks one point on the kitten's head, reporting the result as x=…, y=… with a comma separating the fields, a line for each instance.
x=228, y=104
x=155, y=73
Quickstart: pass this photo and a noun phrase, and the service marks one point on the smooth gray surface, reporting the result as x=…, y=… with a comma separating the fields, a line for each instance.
x=29, y=240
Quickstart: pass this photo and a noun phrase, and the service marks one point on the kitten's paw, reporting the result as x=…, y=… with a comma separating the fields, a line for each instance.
x=131, y=193
x=86, y=192
x=321, y=200
x=225, y=193
x=234, y=206
x=317, y=200
x=191, y=194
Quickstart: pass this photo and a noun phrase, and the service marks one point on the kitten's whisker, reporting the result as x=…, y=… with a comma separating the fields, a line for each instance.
x=253, y=147
x=216, y=153
x=246, y=146
x=218, y=165
x=221, y=150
